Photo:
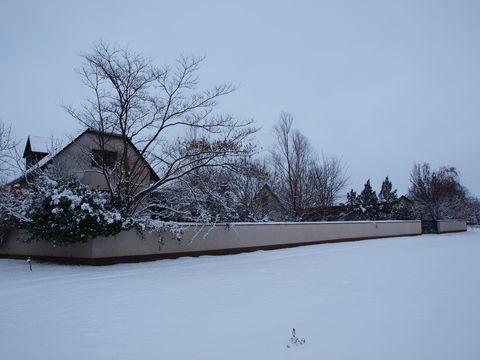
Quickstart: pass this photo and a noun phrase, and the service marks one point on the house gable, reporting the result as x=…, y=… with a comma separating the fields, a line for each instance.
x=77, y=158
x=268, y=205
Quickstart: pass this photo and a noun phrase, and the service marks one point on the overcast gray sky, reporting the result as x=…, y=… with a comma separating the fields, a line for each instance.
x=382, y=84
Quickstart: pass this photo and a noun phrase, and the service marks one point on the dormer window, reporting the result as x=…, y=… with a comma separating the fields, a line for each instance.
x=104, y=159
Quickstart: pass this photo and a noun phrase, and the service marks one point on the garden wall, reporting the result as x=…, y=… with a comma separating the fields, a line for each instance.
x=207, y=239
x=444, y=226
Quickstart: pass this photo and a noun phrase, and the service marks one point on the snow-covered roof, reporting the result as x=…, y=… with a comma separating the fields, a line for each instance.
x=39, y=144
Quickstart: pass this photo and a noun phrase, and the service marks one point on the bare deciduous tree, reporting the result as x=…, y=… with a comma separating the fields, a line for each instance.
x=292, y=160
x=437, y=194
x=245, y=181
x=301, y=179
x=329, y=179
x=7, y=151
x=150, y=107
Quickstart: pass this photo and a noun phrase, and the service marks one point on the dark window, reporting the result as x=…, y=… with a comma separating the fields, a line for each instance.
x=104, y=158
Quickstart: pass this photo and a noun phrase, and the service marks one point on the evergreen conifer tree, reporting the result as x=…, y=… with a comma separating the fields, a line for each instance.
x=388, y=200
x=353, y=205
x=368, y=202
x=352, y=199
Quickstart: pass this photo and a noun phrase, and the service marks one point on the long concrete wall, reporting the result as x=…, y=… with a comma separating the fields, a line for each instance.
x=207, y=239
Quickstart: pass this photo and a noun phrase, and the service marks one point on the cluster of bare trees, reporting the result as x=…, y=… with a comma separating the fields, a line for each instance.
x=302, y=179
x=205, y=161
x=200, y=155
x=206, y=166
x=212, y=194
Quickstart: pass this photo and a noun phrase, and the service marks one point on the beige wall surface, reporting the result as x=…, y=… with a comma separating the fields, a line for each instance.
x=451, y=225
x=241, y=235
x=221, y=238
x=14, y=244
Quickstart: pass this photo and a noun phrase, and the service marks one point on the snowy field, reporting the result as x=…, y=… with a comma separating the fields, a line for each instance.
x=397, y=298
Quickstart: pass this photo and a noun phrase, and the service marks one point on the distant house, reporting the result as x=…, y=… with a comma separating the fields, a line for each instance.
x=268, y=206
x=405, y=201
x=406, y=208
x=85, y=158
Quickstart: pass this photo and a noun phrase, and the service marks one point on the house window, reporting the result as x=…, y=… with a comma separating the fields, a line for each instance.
x=104, y=158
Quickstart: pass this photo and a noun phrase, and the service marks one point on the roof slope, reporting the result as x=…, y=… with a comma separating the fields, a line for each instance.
x=48, y=159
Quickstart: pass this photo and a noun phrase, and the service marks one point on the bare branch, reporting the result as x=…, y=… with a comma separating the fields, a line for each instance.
x=143, y=105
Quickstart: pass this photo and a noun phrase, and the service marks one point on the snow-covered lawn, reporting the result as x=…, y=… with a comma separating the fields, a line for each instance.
x=397, y=298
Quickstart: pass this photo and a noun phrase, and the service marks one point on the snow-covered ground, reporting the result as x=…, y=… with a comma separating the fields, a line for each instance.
x=396, y=298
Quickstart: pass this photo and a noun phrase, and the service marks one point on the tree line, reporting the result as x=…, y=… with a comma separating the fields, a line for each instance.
x=207, y=163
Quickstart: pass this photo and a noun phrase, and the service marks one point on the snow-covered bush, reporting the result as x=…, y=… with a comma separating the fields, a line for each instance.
x=61, y=211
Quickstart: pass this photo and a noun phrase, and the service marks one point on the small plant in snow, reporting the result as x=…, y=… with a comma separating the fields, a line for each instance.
x=294, y=340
